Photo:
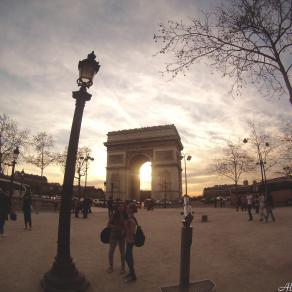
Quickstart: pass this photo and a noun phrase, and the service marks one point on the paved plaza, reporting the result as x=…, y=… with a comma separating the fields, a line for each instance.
x=236, y=254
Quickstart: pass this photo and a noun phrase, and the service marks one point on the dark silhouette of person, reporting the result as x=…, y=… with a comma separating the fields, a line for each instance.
x=110, y=206
x=4, y=210
x=256, y=203
x=249, y=199
x=269, y=206
x=85, y=207
x=221, y=202
x=77, y=207
x=26, y=208
x=130, y=231
x=238, y=202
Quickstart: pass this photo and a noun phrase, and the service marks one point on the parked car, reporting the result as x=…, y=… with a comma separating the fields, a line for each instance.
x=98, y=202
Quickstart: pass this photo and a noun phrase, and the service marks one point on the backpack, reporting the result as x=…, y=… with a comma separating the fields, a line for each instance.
x=139, y=236
x=105, y=235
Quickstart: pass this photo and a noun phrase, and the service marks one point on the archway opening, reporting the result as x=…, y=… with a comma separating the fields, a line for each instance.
x=145, y=176
x=145, y=180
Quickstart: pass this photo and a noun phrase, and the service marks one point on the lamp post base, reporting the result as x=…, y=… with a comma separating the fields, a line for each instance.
x=64, y=277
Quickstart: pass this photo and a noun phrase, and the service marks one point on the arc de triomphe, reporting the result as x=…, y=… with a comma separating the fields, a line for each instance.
x=127, y=150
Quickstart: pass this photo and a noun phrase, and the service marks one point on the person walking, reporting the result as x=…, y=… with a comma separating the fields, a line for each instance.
x=85, y=207
x=269, y=206
x=26, y=208
x=130, y=231
x=249, y=198
x=110, y=206
x=262, y=206
x=238, y=202
x=4, y=210
x=117, y=237
x=256, y=204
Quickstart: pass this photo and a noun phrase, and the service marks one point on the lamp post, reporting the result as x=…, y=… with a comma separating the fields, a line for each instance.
x=261, y=162
x=188, y=158
x=63, y=275
x=164, y=187
x=21, y=182
x=112, y=189
x=1, y=168
x=14, y=156
x=86, y=168
x=104, y=193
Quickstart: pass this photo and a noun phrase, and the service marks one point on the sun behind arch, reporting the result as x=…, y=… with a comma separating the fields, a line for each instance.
x=145, y=176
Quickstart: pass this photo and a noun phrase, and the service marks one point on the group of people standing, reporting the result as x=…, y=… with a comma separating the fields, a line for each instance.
x=6, y=209
x=262, y=203
x=82, y=205
x=122, y=224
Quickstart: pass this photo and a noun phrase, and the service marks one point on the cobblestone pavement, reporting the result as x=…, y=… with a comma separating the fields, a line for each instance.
x=236, y=254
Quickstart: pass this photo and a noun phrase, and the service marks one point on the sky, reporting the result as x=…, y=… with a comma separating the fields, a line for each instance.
x=42, y=42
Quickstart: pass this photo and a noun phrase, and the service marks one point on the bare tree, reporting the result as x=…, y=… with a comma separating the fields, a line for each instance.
x=286, y=151
x=81, y=162
x=234, y=162
x=248, y=40
x=264, y=147
x=10, y=137
x=42, y=144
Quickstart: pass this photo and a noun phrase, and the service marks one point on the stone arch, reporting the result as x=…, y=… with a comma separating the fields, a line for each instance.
x=127, y=150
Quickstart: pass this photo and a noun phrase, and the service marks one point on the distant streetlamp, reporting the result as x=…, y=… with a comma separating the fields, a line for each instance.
x=21, y=182
x=1, y=168
x=86, y=168
x=164, y=187
x=104, y=193
x=64, y=276
x=261, y=161
x=15, y=155
x=188, y=158
x=112, y=190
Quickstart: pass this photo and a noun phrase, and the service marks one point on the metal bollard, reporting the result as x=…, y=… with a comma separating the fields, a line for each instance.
x=186, y=242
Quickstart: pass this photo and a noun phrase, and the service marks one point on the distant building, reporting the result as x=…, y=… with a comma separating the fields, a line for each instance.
x=280, y=188
x=218, y=190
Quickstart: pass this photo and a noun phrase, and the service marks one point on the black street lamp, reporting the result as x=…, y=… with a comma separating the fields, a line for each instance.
x=261, y=162
x=64, y=276
x=14, y=156
x=104, y=193
x=21, y=182
x=188, y=158
x=1, y=168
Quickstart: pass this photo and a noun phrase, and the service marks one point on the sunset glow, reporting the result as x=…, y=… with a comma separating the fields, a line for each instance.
x=145, y=176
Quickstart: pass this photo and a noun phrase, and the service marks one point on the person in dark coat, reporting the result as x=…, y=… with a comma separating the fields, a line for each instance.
x=4, y=210
x=26, y=208
x=269, y=206
x=110, y=207
x=85, y=207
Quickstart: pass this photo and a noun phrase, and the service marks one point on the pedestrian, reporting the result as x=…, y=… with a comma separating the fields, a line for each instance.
x=117, y=237
x=4, y=210
x=221, y=202
x=85, y=207
x=78, y=206
x=238, y=202
x=256, y=204
x=269, y=206
x=110, y=206
x=262, y=206
x=249, y=199
x=26, y=208
x=130, y=231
